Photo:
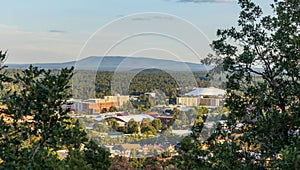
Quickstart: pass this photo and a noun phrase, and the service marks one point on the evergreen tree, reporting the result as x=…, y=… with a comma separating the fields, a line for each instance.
x=33, y=124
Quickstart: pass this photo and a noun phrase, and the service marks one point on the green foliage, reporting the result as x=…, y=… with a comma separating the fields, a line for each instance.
x=101, y=127
x=119, y=162
x=182, y=122
x=52, y=160
x=264, y=100
x=33, y=125
x=76, y=161
x=186, y=144
x=144, y=81
x=113, y=124
x=175, y=115
x=289, y=158
x=202, y=111
x=156, y=123
x=189, y=157
x=152, y=163
x=113, y=109
x=145, y=122
x=35, y=112
x=137, y=163
x=3, y=76
x=97, y=156
x=132, y=127
x=150, y=130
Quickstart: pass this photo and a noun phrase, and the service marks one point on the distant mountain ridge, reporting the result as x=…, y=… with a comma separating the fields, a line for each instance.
x=120, y=63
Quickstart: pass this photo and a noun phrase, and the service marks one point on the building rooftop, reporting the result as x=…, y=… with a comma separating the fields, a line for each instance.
x=128, y=146
x=210, y=91
x=137, y=118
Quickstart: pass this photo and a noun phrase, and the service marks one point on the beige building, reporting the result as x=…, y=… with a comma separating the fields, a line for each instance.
x=188, y=101
x=191, y=101
x=92, y=106
x=203, y=96
x=119, y=100
x=212, y=101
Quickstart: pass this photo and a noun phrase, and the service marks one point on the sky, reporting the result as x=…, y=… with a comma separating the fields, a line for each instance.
x=51, y=31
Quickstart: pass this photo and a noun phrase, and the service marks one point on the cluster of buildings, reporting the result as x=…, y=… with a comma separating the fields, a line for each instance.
x=95, y=106
x=210, y=97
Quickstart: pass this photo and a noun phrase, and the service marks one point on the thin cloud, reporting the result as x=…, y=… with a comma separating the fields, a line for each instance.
x=202, y=1
x=29, y=44
x=57, y=31
x=156, y=17
x=141, y=19
x=160, y=17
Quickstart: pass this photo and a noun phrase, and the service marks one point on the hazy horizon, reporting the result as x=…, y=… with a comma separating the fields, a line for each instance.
x=60, y=31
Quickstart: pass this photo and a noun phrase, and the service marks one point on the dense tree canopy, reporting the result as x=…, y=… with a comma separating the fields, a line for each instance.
x=145, y=81
x=261, y=59
x=132, y=126
x=34, y=126
x=156, y=123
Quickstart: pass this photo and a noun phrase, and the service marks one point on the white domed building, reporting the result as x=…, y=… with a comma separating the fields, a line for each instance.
x=211, y=97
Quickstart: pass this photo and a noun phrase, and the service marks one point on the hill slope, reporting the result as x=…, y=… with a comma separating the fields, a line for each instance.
x=112, y=63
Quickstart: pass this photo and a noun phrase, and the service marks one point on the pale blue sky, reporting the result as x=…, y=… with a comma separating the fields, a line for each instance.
x=55, y=30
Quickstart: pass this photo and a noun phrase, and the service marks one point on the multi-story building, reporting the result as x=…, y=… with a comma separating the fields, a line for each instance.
x=89, y=107
x=211, y=101
x=92, y=106
x=74, y=105
x=203, y=96
x=119, y=100
x=188, y=101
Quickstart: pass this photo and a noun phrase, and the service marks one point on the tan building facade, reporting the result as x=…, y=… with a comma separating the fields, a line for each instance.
x=188, y=101
x=119, y=100
x=203, y=96
x=193, y=101
x=92, y=106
